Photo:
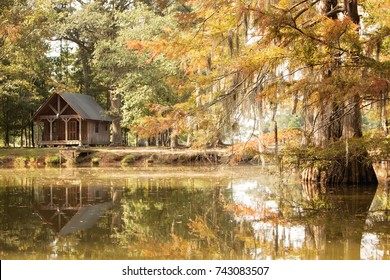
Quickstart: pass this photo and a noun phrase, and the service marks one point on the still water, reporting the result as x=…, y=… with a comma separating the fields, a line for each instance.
x=187, y=213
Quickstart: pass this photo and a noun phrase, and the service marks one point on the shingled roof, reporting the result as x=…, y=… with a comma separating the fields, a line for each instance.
x=84, y=105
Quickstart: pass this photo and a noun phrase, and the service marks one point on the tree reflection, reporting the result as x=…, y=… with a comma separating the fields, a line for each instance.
x=164, y=220
x=375, y=240
x=74, y=215
x=20, y=231
x=302, y=222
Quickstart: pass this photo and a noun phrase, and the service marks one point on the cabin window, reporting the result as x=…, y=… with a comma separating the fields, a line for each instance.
x=97, y=127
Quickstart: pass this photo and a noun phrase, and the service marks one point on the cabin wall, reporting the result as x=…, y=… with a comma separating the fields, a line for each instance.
x=84, y=133
x=98, y=132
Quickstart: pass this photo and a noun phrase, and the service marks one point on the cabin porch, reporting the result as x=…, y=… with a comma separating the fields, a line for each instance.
x=63, y=131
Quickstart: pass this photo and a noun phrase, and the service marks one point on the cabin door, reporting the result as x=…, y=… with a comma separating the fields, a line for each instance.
x=73, y=130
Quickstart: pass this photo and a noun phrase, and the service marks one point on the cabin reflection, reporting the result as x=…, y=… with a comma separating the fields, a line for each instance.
x=68, y=206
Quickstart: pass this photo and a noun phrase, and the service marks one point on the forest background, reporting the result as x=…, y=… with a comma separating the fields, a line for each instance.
x=304, y=78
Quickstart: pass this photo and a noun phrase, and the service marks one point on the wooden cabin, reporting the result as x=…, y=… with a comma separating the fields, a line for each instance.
x=66, y=119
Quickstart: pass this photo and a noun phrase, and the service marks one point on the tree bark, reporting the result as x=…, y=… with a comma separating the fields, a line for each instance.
x=261, y=146
x=86, y=70
x=384, y=115
x=32, y=135
x=7, y=136
x=351, y=9
x=115, y=100
x=337, y=121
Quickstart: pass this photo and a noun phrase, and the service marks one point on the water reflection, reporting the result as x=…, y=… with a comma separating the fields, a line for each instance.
x=204, y=214
x=375, y=243
x=303, y=222
x=68, y=207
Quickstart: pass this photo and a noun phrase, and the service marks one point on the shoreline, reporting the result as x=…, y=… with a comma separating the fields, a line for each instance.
x=135, y=157
x=111, y=156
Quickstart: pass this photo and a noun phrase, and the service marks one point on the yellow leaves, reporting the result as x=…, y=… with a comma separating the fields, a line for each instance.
x=178, y=83
x=377, y=12
x=9, y=28
x=185, y=20
x=136, y=45
x=271, y=91
x=254, y=57
x=374, y=86
x=164, y=118
x=284, y=4
x=339, y=33
x=10, y=32
x=243, y=152
x=151, y=126
x=331, y=30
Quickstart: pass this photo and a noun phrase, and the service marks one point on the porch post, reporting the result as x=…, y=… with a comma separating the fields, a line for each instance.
x=80, y=120
x=66, y=130
x=51, y=120
x=66, y=120
x=51, y=130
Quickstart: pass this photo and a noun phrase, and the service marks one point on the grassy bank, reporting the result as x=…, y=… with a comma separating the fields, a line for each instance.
x=21, y=157
x=108, y=156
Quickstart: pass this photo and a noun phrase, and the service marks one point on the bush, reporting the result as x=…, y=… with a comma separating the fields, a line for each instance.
x=20, y=161
x=53, y=160
x=95, y=161
x=129, y=159
x=5, y=161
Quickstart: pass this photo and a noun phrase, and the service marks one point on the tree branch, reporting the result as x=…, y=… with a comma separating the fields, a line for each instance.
x=304, y=10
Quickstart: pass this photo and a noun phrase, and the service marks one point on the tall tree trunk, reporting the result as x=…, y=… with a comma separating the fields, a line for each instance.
x=115, y=99
x=351, y=9
x=261, y=132
x=21, y=137
x=276, y=140
x=7, y=133
x=32, y=135
x=86, y=70
x=384, y=115
x=328, y=6
x=338, y=121
x=357, y=170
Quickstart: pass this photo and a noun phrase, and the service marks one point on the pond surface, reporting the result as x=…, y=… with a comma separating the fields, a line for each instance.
x=187, y=213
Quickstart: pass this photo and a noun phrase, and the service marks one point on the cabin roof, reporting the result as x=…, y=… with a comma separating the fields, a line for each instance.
x=84, y=105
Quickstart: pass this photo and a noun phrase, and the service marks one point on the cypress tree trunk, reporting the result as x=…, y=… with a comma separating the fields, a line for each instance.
x=341, y=121
x=384, y=115
x=261, y=133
